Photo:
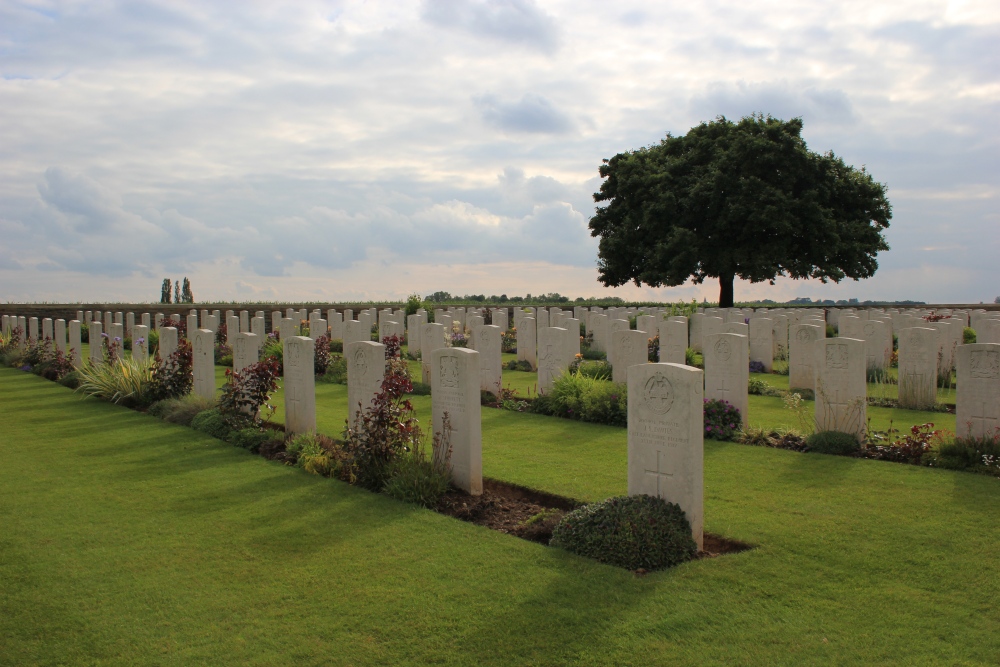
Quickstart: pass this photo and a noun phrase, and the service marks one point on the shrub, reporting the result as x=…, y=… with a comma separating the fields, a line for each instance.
x=337, y=346
x=125, y=381
x=722, y=420
x=174, y=377
x=180, y=325
x=590, y=354
x=909, y=449
x=273, y=349
x=336, y=371
x=879, y=375
x=71, y=380
x=628, y=531
x=421, y=389
x=223, y=355
x=600, y=370
x=757, y=367
x=249, y=438
x=381, y=432
x=211, y=422
x=758, y=387
x=322, y=355
x=973, y=454
x=415, y=478
x=459, y=340
x=246, y=392
x=968, y=335
x=181, y=410
x=317, y=454
x=830, y=331
x=833, y=442
x=575, y=396
x=653, y=348
x=689, y=354
x=522, y=365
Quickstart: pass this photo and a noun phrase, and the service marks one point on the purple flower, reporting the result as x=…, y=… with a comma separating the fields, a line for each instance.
x=104, y=335
x=26, y=367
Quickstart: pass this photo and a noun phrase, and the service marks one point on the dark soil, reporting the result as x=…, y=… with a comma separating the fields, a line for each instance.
x=532, y=515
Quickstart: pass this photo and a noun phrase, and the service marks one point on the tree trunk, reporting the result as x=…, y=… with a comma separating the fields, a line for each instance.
x=726, y=290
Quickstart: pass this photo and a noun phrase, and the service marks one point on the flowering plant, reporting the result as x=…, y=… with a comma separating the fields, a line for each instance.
x=722, y=420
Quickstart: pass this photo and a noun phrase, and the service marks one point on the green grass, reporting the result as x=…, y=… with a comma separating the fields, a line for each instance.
x=127, y=540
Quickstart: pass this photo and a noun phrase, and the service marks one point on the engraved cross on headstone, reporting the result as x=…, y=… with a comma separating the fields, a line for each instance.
x=663, y=471
x=982, y=422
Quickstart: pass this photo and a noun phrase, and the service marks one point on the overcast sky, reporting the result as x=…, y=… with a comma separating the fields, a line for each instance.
x=354, y=150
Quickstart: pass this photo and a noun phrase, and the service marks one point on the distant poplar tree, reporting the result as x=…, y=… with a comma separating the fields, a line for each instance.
x=165, y=291
x=186, y=294
x=177, y=291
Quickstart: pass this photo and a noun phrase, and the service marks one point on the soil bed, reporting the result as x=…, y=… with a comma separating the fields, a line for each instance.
x=532, y=515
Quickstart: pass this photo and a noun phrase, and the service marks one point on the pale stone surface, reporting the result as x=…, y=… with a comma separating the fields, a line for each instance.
x=949, y=338
x=802, y=356
x=613, y=326
x=130, y=324
x=628, y=348
x=413, y=324
x=232, y=328
x=146, y=321
x=572, y=325
x=673, y=341
x=246, y=350
x=647, y=324
x=168, y=343
x=541, y=319
x=288, y=328
x=118, y=335
x=696, y=331
x=244, y=321
x=780, y=332
x=75, y=351
x=317, y=328
x=336, y=322
x=356, y=332
x=275, y=320
x=108, y=321
x=96, y=344
x=257, y=327
x=977, y=401
x=490, y=362
x=727, y=371
x=878, y=343
x=840, y=385
x=203, y=363
x=47, y=329
x=455, y=395
x=432, y=337
x=33, y=329
x=59, y=335
x=79, y=315
x=140, y=343
x=500, y=319
x=988, y=331
x=738, y=328
x=552, y=358
x=598, y=325
x=120, y=318
x=762, y=342
x=365, y=373
x=710, y=324
x=527, y=339
x=389, y=328
x=850, y=326
x=665, y=438
x=299, y=385
x=366, y=319
x=918, y=359
x=192, y=326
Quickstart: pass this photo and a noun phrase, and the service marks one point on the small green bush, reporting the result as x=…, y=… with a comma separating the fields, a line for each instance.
x=576, y=396
x=421, y=389
x=689, y=354
x=590, y=354
x=71, y=380
x=599, y=370
x=181, y=410
x=212, y=423
x=337, y=346
x=972, y=454
x=317, y=454
x=968, y=336
x=250, y=438
x=833, y=442
x=336, y=371
x=522, y=365
x=125, y=381
x=628, y=531
x=830, y=331
x=414, y=478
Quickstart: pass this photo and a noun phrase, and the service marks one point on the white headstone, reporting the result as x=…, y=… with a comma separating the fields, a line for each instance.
x=490, y=363
x=526, y=341
x=673, y=342
x=878, y=343
x=802, y=356
x=257, y=328
x=977, y=400
x=552, y=360
x=232, y=328
x=365, y=373
x=203, y=363
x=666, y=439
x=336, y=322
x=762, y=342
x=841, y=386
x=168, y=343
x=244, y=320
x=918, y=357
x=59, y=335
x=192, y=326
x=628, y=348
x=75, y=351
x=727, y=370
x=140, y=343
x=246, y=351
x=96, y=343
x=298, y=364
x=47, y=332
x=455, y=394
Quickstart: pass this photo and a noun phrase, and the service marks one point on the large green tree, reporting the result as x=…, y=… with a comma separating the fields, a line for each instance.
x=729, y=200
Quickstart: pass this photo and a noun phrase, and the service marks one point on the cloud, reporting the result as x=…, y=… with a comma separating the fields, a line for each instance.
x=781, y=99
x=519, y=22
x=531, y=114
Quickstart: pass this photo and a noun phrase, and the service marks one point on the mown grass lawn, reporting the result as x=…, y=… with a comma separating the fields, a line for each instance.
x=126, y=540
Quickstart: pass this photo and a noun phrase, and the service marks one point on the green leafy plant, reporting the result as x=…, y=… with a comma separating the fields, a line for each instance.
x=722, y=419
x=126, y=381
x=173, y=377
x=317, y=454
x=246, y=393
x=211, y=422
x=628, y=531
x=336, y=371
x=181, y=410
x=968, y=336
x=833, y=442
x=576, y=396
x=416, y=478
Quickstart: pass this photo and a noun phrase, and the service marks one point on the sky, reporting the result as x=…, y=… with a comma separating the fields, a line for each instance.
x=333, y=151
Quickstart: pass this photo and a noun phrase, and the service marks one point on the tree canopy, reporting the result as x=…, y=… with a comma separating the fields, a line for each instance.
x=728, y=200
